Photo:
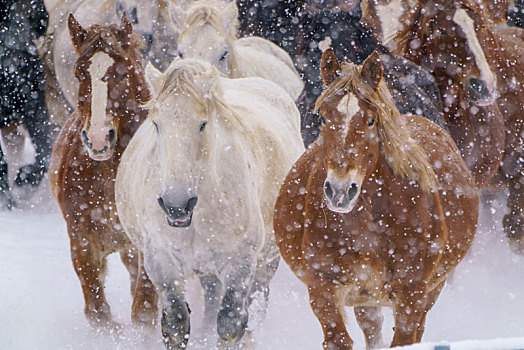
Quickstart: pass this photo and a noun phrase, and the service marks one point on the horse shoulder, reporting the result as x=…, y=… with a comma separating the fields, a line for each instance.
x=63, y=149
x=292, y=205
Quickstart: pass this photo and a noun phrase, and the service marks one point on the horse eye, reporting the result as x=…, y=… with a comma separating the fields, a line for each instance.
x=371, y=122
x=180, y=54
x=203, y=125
x=123, y=77
x=323, y=121
x=224, y=55
x=155, y=124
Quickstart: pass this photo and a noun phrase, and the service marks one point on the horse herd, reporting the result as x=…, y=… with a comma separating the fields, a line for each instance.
x=353, y=145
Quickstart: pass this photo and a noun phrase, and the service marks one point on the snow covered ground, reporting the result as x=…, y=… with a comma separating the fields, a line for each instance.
x=41, y=304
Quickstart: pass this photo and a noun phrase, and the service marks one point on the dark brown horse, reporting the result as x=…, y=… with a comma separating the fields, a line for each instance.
x=376, y=212
x=487, y=135
x=85, y=159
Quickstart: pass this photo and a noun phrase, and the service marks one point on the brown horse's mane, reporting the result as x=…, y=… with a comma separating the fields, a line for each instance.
x=106, y=38
x=404, y=156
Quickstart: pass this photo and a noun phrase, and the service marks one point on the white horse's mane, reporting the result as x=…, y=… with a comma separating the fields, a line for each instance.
x=200, y=81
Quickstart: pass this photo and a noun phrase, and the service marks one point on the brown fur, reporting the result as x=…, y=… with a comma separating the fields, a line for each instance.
x=84, y=188
x=429, y=24
x=494, y=131
x=397, y=245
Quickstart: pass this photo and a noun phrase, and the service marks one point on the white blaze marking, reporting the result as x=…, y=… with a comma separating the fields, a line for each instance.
x=462, y=19
x=325, y=44
x=348, y=106
x=100, y=62
x=389, y=17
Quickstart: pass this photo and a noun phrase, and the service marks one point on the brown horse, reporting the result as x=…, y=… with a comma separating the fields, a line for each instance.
x=376, y=212
x=447, y=38
x=85, y=159
x=486, y=135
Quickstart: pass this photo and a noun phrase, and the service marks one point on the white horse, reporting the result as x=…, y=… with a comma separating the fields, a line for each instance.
x=196, y=188
x=144, y=15
x=208, y=30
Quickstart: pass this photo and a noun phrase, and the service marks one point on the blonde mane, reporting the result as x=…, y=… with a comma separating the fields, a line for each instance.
x=183, y=76
x=404, y=156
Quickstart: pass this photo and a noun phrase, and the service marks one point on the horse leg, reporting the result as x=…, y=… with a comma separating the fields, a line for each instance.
x=6, y=198
x=90, y=266
x=145, y=300
x=233, y=313
x=410, y=312
x=258, y=297
x=175, y=316
x=324, y=299
x=37, y=125
x=370, y=320
x=513, y=222
x=431, y=300
x=212, y=291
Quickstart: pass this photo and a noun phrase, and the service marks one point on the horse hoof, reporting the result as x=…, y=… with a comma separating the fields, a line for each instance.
x=30, y=174
x=231, y=325
x=175, y=327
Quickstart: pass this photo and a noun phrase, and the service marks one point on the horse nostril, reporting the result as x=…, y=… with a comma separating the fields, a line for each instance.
x=191, y=203
x=328, y=190
x=352, y=191
x=85, y=139
x=162, y=204
x=111, y=135
x=479, y=86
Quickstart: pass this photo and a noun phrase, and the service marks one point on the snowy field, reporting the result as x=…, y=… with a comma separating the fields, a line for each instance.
x=41, y=303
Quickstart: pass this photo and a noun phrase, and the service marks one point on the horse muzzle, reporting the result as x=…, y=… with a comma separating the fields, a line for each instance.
x=100, y=151
x=479, y=91
x=341, y=199
x=178, y=215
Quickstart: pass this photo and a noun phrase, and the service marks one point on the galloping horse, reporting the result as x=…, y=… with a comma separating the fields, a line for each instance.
x=208, y=31
x=195, y=192
x=112, y=88
x=453, y=52
x=22, y=89
x=376, y=212
x=60, y=54
x=474, y=64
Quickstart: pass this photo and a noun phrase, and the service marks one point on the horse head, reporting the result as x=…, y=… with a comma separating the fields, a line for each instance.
x=182, y=122
x=349, y=132
x=451, y=38
x=112, y=85
x=207, y=31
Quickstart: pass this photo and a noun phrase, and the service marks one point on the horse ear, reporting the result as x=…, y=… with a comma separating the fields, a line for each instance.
x=230, y=15
x=154, y=78
x=329, y=67
x=372, y=70
x=125, y=31
x=176, y=12
x=78, y=34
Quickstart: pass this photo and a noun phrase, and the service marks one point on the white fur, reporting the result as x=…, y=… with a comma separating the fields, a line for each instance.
x=247, y=57
x=235, y=166
x=348, y=106
x=462, y=19
x=389, y=15
x=98, y=129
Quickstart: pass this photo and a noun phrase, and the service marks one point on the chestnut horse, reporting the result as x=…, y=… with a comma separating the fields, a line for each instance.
x=85, y=158
x=474, y=62
x=455, y=51
x=377, y=212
